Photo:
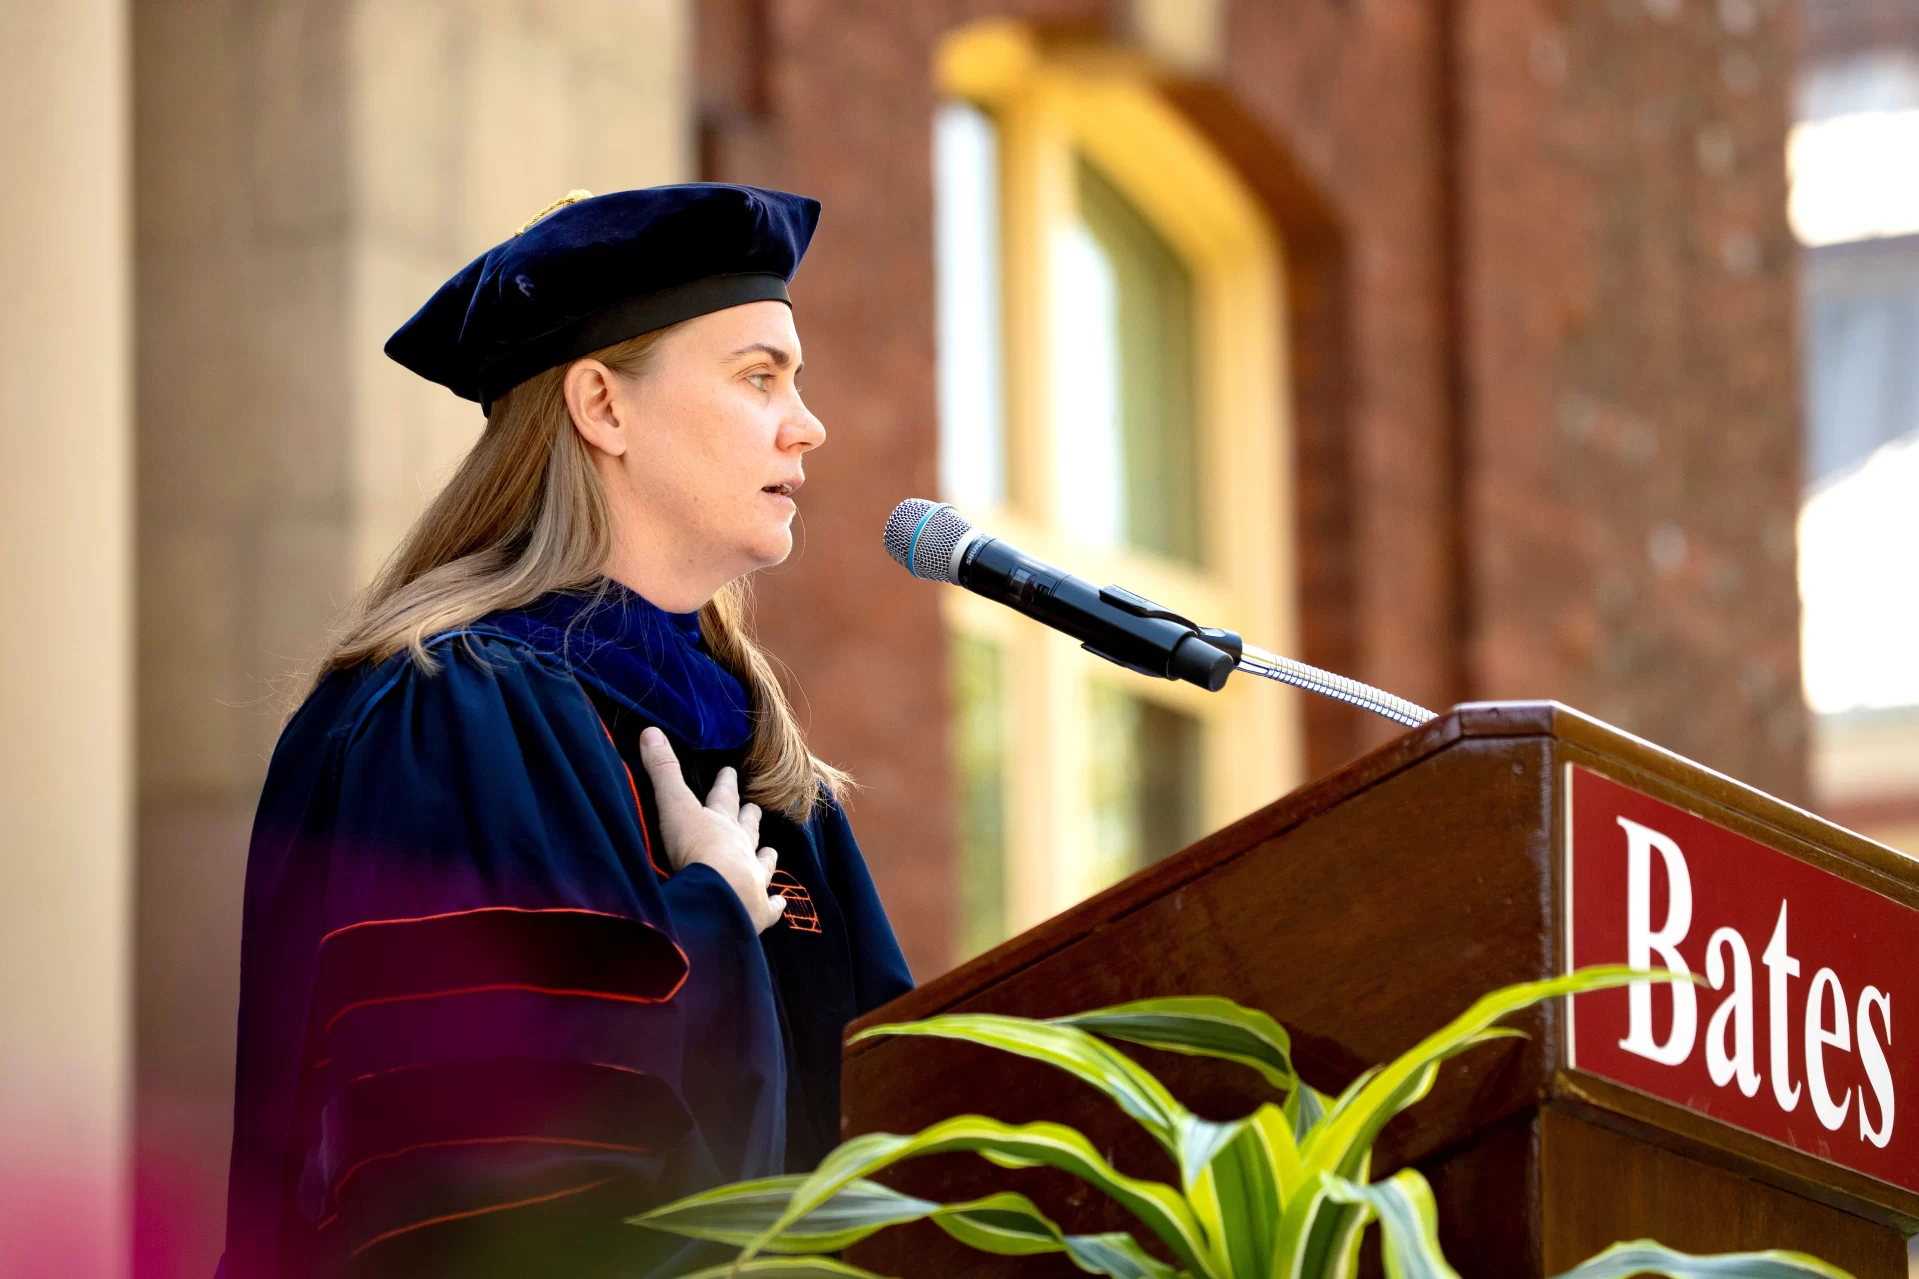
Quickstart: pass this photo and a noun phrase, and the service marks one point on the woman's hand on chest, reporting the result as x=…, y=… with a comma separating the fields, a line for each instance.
x=721, y=832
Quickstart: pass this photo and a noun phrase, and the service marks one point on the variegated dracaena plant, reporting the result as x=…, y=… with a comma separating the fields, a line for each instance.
x=1283, y=1193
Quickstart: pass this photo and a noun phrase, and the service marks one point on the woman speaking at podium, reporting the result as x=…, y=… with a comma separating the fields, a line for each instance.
x=550, y=913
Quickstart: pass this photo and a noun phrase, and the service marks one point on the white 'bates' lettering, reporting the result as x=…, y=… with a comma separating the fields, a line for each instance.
x=1780, y=968
x=1730, y=1051
x=1642, y=941
x=1734, y=1013
x=1873, y=1056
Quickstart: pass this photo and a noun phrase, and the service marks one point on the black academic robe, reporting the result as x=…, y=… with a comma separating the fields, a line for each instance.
x=480, y=1022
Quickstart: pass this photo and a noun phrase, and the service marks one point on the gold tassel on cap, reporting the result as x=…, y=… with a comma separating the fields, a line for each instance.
x=571, y=197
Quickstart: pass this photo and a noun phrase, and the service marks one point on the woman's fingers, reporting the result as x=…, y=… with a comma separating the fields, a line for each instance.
x=720, y=833
x=663, y=770
x=724, y=797
x=775, y=902
x=765, y=906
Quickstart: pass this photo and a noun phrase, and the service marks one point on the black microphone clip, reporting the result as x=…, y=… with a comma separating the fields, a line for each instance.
x=1190, y=663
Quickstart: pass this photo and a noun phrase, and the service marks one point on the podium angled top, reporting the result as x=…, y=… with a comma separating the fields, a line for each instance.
x=1844, y=851
x=1505, y=842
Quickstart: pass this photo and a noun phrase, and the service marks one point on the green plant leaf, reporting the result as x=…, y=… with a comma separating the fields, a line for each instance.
x=1648, y=1257
x=1239, y=1197
x=1330, y=1245
x=1348, y=1131
x=1200, y=1026
x=1159, y=1207
x=1014, y=1231
x=1274, y=1128
x=1305, y=1107
x=1117, y=1255
x=1005, y=1223
x=737, y=1214
x=1080, y=1054
x=1337, y=1106
x=1500, y=1032
x=787, y=1268
x=1010, y=1226
x=1318, y=1238
x=1411, y=1090
x=1199, y=1141
x=1408, y=1223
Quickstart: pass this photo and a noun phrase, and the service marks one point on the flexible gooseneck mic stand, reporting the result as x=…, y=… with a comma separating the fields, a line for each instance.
x=933, y=541
x=1284, y=670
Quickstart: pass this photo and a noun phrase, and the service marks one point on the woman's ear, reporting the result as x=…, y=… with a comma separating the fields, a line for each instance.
x=592, y=402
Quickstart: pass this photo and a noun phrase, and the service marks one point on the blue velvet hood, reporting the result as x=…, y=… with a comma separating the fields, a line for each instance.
x=648, y=660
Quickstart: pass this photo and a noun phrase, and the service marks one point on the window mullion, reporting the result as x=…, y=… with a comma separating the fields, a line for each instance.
x=1047, y=792
x=1037, y=179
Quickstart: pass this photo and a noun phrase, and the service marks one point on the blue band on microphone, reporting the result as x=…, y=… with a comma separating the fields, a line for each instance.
x=912, y=548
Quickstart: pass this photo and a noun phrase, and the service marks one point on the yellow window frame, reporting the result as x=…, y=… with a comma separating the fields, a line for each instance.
x=1050, y=108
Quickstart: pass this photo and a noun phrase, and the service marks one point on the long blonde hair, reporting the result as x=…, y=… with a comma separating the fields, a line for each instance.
x=525, y=514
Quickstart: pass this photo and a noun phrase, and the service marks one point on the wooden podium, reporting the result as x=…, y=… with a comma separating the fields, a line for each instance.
x=1368, y=908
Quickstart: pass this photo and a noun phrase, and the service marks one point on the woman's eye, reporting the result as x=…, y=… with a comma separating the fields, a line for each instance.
x=760, y=381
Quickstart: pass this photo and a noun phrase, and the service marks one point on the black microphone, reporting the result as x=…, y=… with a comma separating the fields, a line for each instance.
x=933, y=541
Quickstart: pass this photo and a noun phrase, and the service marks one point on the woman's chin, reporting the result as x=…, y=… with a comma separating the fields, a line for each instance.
x=771, y=547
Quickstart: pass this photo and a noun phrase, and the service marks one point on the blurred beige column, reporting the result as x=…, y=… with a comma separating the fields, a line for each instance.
x=65, y=638
x=307, y=172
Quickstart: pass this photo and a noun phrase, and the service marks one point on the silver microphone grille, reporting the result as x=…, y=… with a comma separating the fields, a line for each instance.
x=921, y=537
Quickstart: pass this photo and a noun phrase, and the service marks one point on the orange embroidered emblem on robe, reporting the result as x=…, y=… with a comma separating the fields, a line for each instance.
x=800, y=914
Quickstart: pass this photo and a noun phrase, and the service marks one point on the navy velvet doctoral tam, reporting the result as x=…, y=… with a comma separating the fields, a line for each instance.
x=601, y=270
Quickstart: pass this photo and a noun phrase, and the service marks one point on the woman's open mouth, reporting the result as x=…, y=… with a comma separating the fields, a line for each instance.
x=781, y=490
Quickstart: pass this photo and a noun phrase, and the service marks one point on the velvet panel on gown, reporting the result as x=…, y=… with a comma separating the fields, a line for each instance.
x=481, y=1023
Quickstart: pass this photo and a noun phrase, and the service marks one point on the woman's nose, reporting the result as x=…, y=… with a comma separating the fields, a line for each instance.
x=803, y=431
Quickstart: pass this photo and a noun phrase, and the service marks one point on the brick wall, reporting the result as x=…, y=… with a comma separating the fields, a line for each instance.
x=1541, y=305
x=1632, y=379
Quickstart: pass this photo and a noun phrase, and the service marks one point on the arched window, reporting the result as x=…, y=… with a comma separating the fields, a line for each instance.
x=1112, y=395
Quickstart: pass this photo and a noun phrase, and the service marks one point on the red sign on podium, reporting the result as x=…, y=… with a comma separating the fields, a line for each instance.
x=1796, y=1033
